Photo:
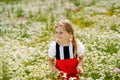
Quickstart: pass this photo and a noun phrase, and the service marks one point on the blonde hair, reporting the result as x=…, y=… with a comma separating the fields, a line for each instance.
x=67, y=25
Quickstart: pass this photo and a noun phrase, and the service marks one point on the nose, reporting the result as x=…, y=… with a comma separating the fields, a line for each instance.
x=58, y=34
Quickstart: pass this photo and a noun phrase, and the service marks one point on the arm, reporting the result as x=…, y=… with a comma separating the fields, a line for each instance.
x=80, y=62
x=52, y=65
x=80, y=55
x=51, y=54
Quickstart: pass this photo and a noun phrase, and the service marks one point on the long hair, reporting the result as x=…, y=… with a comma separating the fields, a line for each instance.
x=67, y=25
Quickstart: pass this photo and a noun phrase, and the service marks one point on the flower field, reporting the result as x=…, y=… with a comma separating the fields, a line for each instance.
x=27, y=28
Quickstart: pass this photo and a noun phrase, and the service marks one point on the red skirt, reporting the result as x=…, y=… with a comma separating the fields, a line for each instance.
x=68, y=66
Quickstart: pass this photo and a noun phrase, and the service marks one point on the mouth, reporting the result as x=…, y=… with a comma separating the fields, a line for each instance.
x=58, y=38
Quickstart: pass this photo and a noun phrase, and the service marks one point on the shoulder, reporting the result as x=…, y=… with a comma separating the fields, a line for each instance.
x=53, y=43
x=80, y=47
x=51, y=50
x=79, y=42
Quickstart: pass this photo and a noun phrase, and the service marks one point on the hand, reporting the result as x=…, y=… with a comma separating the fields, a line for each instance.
x=60, y=75
x=80, y=71
x=55, y=69
x=63, y=74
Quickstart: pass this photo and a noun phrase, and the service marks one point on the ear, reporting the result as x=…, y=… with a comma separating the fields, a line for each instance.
x=71, y=35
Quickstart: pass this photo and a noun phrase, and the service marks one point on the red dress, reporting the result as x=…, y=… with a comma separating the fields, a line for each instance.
x=68, y=66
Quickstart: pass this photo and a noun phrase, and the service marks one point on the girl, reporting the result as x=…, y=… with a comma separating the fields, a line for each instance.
x=66, y=53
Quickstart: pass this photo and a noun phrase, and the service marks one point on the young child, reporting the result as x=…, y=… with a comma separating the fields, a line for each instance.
x=66, y=54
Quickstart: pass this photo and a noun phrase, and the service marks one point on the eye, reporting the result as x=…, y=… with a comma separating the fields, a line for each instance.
x=56, y=32
x=61, y=32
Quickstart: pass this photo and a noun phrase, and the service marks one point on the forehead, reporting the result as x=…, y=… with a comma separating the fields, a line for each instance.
x=59, y=28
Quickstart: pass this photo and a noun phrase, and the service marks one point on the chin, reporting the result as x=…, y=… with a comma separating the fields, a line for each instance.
x=59, y=40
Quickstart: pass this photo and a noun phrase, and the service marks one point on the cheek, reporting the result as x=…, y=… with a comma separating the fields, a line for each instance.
x=66, y=36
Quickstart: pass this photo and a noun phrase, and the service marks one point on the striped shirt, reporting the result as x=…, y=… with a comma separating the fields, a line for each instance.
x=64, y=52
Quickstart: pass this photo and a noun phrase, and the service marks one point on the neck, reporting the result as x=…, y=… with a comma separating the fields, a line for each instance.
x=64, y=43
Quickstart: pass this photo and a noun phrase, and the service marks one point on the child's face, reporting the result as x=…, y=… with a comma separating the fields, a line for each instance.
x=61, y=34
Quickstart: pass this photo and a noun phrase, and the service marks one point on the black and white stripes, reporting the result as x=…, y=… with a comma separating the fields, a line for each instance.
x=58, y=51
x=64, y=52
